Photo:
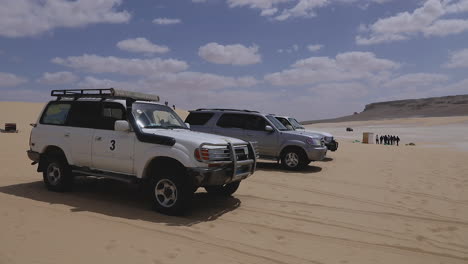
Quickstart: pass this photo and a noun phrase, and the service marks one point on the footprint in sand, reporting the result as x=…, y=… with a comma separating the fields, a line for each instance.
x=111, y=245
x=279, y=237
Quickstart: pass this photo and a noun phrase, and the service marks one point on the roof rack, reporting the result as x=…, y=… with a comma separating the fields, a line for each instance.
x=226, y=109
x=108, y=93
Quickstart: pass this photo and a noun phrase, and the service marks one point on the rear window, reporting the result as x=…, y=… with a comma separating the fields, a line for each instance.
x=85, y=114
x=56, y=114
x=198, y=119
x=232, y=121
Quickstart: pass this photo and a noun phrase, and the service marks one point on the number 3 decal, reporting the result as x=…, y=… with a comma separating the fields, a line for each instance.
x=112, y=147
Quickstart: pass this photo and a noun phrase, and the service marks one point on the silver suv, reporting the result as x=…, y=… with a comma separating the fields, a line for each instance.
x=292, y=124
x=294, y=149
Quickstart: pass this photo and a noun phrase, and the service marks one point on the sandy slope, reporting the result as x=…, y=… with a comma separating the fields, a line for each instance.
x=364, y=204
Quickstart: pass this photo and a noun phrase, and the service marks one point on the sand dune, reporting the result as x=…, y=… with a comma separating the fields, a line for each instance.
x=363, y=204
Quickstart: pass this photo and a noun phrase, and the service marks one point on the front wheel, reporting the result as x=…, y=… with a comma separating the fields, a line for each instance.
x=223, y=190
x=57, y=175
x=171, y=194
x=294, y=159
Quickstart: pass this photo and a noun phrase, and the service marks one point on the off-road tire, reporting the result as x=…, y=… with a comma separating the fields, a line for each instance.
x=294, y=159
x=171, y=192
x=223, y=190
x=57, y=174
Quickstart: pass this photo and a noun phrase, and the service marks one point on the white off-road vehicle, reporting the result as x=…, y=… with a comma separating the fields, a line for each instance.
x=129, y=137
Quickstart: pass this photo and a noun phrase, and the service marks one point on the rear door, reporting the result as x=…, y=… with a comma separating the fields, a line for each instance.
x=112, y=150
x=80, y=129
x=231, y=125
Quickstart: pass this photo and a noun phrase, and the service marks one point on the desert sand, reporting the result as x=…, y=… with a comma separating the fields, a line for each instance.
x=362, y=204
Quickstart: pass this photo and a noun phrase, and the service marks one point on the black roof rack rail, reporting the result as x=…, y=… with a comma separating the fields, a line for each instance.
x=107, y=93
x=226, y=109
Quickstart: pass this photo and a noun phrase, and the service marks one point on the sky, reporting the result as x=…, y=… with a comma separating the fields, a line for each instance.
x=310, y=59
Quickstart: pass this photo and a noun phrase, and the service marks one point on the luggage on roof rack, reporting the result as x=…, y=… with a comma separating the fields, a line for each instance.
x=108, y=93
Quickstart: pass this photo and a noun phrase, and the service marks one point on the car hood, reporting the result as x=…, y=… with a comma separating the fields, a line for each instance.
x=323, y=134
x=303, y=133
x=193, y=137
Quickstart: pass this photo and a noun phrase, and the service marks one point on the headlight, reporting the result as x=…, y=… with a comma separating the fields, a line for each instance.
x=314, y=141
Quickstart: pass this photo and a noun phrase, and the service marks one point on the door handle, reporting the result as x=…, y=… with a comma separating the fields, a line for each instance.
x=66, y=135
x=98, y=138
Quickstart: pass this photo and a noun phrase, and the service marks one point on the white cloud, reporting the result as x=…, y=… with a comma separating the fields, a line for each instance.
x=314, y=48
x=458, y=59
x=236, y=54
x=340, y=90
x=292, y=8
x=166, y=21
x=10, y=80
x=303, y=8
x=446, y=27
x=427, y=19
x=415, y=80
x=19, y=18
x=291, y=49
x=99, y=64
x=347, y=66
x=141, y=45
x=167, y=82
x=56, y=78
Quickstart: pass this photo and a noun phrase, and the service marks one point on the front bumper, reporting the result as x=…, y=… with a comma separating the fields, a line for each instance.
x=220, y=173
x=332, y=146
x=204, y=176
x=34, y=156
x=316, y=153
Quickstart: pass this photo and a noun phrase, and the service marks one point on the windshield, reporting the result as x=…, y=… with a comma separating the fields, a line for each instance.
x=276, y=123
x=285, y=122
x=156, y=116
x=295, y=124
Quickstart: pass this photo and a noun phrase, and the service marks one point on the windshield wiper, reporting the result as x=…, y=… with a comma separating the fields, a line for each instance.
x=153, y=126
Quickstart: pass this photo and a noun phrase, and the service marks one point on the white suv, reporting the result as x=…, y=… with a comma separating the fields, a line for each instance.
x=129, y=137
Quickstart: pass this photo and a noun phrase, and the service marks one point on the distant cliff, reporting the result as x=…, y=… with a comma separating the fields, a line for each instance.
x=456, y=105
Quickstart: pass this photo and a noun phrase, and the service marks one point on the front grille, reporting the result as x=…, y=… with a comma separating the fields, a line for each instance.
x=223, y=154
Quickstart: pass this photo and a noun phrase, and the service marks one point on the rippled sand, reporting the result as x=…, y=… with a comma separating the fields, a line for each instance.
x=363, y=204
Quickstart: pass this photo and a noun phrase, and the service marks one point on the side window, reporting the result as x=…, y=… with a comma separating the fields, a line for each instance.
x=253, y=122
x=84, y=114
x=56, y=114
x=110, y=113
x=283, y=121
x=198, y=119
x=231, y=121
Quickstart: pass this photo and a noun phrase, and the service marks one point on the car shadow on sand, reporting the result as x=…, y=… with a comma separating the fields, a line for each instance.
x=122, y=200
x=327, y=159
x=273, y=166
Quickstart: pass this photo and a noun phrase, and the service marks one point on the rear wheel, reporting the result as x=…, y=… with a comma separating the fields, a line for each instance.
x=223, y=190
x=57, y=175
x=170, y=193
x=294, y=159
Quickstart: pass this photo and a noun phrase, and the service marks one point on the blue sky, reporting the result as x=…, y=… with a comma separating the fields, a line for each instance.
x=306, y=58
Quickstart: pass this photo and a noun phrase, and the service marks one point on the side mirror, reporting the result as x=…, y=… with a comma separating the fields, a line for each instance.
x=269, y=129
x=121, y=125
x=188, y=125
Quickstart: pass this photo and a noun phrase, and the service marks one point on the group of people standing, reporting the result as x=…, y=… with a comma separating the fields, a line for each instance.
x=387, y=140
